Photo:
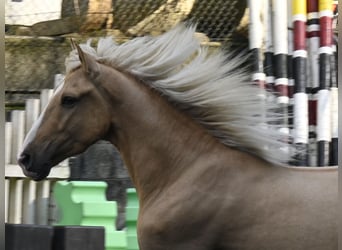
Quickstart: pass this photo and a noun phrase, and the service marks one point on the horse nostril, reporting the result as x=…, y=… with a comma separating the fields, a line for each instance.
x=25, y=161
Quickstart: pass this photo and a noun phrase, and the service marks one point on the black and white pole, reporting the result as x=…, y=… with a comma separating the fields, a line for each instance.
x=323, y=102
x=333, y=159
x=268, y=42
x=280, y=45
x=290, y=68
x=256, y=40
x=301, y=124
x=313, y=75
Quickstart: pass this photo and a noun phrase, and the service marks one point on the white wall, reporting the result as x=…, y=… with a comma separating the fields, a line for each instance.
x=28, y=12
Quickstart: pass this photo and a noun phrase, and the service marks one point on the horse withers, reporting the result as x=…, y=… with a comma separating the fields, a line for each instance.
x=209, y=171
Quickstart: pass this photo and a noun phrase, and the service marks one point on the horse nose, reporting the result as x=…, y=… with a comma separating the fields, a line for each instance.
x=25, y=161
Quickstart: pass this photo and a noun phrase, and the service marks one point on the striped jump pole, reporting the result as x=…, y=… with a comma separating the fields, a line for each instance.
x=313, y=74
x=323, y=102
x=280, y=43
x=333, y=158
x=290, y=66
x=334, y=96
x=256, y=40
x=268, y=38
x=301, y=124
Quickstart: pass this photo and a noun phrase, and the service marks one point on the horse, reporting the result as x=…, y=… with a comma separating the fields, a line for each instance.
x=199, y=141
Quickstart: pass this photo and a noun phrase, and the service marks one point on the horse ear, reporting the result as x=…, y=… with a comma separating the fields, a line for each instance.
x=89, y=64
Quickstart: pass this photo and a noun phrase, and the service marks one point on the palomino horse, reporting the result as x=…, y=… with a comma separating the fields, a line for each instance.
x=194, y=135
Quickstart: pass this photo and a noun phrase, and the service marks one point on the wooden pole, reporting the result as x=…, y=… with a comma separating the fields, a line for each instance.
x=45, y=96
x=7, y=199
x=18, y=133
x=8, y=142
x=32, y=109
x=29, y=201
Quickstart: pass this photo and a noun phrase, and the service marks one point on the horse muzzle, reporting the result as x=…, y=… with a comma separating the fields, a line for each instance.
x=31, y=169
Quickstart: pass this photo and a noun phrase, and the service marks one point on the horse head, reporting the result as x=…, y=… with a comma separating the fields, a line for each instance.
x=76, y=117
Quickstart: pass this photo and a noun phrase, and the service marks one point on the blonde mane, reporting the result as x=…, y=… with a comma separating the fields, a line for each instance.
x=208, y=86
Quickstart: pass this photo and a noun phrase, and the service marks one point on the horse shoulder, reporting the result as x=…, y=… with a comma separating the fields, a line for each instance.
x=176, y=220
x=183, y=214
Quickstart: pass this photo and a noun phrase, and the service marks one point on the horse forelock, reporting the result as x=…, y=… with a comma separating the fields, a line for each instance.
x=215, y=91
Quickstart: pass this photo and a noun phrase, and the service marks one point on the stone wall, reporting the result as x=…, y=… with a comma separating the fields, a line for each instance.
x=31, y=64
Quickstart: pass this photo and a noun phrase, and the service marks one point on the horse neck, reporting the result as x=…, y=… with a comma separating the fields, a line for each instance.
x=158, y=143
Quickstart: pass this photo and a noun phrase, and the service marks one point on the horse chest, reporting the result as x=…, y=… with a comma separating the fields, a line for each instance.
x=178, y=222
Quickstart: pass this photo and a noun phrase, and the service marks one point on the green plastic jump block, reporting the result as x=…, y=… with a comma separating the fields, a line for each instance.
x=116, y=240
x=132, y=208
x=84, y=203
x=132, y=243
x=132, y=211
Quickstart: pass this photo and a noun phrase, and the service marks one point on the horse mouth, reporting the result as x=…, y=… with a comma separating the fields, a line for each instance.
x=36, y=168
x=36, y=176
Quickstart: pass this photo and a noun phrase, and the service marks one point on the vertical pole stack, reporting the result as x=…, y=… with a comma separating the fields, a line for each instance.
x=300, y=66
x=313, y=75
x=301, y=130
x=323, y=102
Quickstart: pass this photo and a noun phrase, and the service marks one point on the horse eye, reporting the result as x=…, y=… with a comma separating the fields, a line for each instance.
x=69, y=101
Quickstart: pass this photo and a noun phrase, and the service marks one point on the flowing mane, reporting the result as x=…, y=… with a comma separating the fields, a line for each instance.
x=209, y=86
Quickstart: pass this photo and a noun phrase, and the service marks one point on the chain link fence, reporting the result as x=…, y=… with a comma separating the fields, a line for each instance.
x=37, y=32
